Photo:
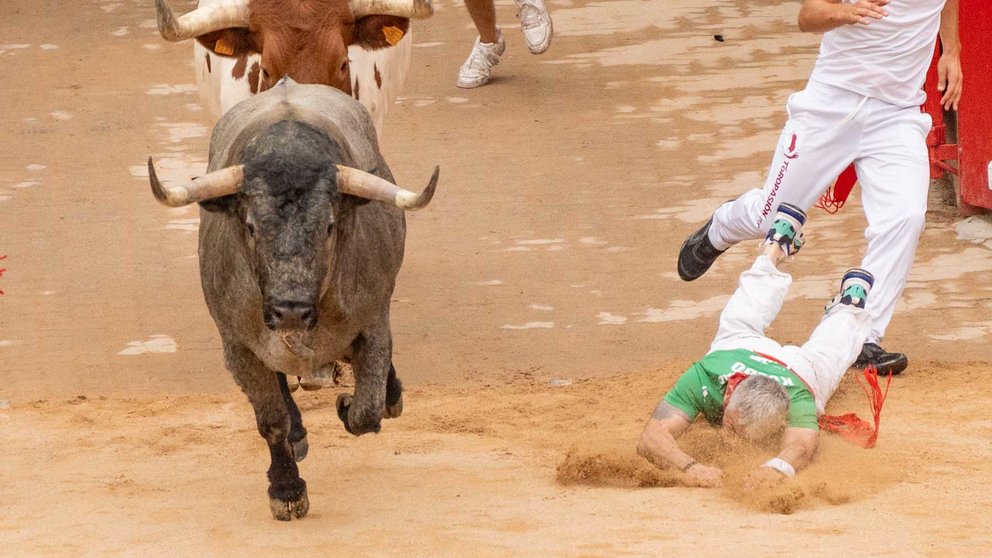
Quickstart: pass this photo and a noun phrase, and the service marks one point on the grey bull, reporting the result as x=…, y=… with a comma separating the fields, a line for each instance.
x=301, y=238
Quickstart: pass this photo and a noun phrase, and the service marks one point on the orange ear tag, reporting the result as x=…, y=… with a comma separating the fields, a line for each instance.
x=392, y=34
x=222, y=47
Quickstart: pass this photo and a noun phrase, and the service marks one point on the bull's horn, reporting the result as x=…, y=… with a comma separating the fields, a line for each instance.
x=213, y=17
x=366, y=185
x=413, y=9
x=211, y=185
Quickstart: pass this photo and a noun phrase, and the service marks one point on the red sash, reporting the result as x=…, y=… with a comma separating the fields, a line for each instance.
x=834, y=198
x=851, y=426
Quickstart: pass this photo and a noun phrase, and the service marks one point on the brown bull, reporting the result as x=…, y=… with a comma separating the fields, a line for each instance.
x=245, y=46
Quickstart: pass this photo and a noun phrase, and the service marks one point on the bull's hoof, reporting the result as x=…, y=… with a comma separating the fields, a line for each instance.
x=395, y=409
x=363, y=427
x=343, y=403
x=288, y=510
x=394, y=396
x=300, y=449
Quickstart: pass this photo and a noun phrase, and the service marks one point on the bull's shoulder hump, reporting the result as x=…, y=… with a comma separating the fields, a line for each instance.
x=321, y=106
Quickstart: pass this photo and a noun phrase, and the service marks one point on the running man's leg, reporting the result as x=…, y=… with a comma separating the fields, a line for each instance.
x=818, y=142
x=488, y=48
x=895, y=178
x=483, y=13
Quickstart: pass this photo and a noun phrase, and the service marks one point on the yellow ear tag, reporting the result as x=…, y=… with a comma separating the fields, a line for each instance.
x=392, y=34
x=221, y=47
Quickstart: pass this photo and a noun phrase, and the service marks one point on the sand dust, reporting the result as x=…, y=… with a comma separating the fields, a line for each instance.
x=566, y=188
x=519, y=468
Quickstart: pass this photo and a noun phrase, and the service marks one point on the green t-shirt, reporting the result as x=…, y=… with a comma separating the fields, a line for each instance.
x=700, y=389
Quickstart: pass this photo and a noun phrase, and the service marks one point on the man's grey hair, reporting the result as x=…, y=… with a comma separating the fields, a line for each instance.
x=761, y=405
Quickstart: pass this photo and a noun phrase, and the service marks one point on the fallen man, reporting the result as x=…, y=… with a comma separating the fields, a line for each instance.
x=753, y=386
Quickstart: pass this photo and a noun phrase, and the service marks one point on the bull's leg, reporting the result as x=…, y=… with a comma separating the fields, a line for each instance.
x=287, y=491
x=297, y=433
x=394, y=394
x=371, y=362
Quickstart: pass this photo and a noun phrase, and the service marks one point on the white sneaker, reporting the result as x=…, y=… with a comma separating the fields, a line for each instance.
x=535, y=22
x=475, y=72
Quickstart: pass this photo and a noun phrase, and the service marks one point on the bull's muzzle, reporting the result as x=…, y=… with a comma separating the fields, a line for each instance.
x=290, y=315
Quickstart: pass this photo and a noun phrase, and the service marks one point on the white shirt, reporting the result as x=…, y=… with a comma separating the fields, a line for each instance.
x=887, y=59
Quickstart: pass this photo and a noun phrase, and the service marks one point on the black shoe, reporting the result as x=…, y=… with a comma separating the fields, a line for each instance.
x=884, y=362
x=697, y=254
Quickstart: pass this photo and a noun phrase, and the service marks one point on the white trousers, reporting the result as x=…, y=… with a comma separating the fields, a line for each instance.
x=821, y=361
x=828, y=129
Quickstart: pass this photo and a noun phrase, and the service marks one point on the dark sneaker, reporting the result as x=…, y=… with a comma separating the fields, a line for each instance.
x=697, y=254
x=885, y=362
x=854, y=289
x=787, y=229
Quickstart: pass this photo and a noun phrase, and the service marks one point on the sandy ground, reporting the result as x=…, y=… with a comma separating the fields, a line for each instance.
x=567, y=186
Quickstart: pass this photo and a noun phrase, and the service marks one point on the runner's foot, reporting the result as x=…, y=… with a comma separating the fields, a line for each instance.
x=884, y=361
x=535, y=22
x=697, y=254
x=478, y=68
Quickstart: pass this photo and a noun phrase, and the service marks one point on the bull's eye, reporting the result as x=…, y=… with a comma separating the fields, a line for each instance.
x=330, y=228
x=344, y=66
x=251, y=228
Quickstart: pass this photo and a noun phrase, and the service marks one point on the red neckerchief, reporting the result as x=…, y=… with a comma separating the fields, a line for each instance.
x=732, y=382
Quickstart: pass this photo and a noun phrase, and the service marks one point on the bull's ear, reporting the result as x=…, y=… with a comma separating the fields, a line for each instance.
x=379, y=31
x=233, y=42
x=223, y=204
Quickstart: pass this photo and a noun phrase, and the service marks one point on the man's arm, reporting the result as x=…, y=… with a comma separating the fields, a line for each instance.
x=798, y=448
x=949, y=76
x=658, y=446
x=820, y=16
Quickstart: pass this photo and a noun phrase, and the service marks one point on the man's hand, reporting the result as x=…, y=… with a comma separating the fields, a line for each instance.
x=949, y=66
x=862, y=11
x=949, y=79
x=763, y=477
x=820, y=16
x=658, y=446
x=703, y=476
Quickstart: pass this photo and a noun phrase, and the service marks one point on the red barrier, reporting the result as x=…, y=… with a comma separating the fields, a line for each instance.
x=963, y=144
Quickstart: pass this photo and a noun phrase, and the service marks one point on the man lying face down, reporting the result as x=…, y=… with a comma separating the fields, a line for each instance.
x=753, y=386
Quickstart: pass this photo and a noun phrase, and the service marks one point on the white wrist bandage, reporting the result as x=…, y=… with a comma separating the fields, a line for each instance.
x=782, y=466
